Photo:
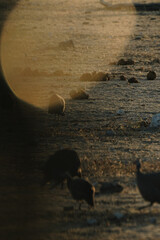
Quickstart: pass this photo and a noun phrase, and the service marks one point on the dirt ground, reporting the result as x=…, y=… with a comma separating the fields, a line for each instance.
x=107, y=143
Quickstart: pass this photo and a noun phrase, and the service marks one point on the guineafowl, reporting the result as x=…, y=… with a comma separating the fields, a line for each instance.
x=149, y=185
x=62, y=161
x=56, y=105
x=81, y=189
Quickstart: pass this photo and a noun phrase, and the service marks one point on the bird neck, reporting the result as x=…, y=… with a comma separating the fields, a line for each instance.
x=138, y=170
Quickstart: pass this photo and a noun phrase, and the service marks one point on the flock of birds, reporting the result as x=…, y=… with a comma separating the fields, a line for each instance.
x=65, y=165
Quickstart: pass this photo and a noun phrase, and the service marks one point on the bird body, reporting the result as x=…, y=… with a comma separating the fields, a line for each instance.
x=81, y=189
x=62, y=161
x=149, y=185
x=56, y=105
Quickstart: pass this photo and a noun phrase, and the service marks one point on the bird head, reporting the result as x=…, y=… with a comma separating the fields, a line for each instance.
x=79, y=172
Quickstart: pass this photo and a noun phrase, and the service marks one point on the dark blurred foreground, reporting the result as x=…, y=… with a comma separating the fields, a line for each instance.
x=19, y=136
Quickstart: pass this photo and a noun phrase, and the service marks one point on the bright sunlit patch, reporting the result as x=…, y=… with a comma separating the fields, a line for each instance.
x=47, y=46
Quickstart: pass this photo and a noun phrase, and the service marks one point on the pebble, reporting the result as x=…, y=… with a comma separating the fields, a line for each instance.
x=125, y=62
x=151, y=75
x=91, y=221
x=123, y=78
x=66, y=45
x=155, y=122
x=110, y=132
x=133, y=80
x=120, y=112
x=118, y=215
x=79, y=94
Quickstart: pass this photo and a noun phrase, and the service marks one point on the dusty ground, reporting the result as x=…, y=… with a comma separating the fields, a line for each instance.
x=29, y=211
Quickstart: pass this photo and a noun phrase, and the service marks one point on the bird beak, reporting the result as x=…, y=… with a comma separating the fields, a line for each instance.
x=79, y=172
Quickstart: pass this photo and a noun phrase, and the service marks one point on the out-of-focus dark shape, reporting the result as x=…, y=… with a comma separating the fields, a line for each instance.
x=56, y=105
x=110, y=187
x=132, y=6
x=62, y=161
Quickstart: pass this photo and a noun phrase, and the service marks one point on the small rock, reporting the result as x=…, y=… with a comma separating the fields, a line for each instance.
x=133, y=80
x=155, y=122
x=66, y=45
x=100, y=76
x=79, y=94
x=120, y=112
x=91, y=221
x=118, y=215
x=110, y=132
x=95, y=77
x=123, y=78
x=129, y=62
x=151, y=75
x=125, y=62
x=86, y=77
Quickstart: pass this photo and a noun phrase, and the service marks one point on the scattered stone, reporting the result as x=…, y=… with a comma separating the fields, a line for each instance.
x=110, y=187
x=66, y=45
x=120, y=112
x=95, y=77
x=91, y=221
x=68, y=208
x=100, y=76
x=86, y=77
x=155, y=122
x=125, y=62
x=118, y=215
x=138, y=38
x=123, y=78
x=110, y=133
x=79, y=94
x=133, y=80
x=58, y=73
x=151, y=75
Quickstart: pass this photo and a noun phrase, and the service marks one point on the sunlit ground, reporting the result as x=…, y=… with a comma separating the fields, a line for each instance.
x=31, y=54
x=106, y=142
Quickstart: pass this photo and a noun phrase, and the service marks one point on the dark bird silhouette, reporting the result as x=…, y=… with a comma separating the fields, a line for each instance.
x=149, y=7
x=149, y=185
x=56, y=105
x=62, y=161
x=80, y=190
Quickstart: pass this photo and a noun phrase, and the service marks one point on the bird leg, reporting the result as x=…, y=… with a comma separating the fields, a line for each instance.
x=140, y=208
